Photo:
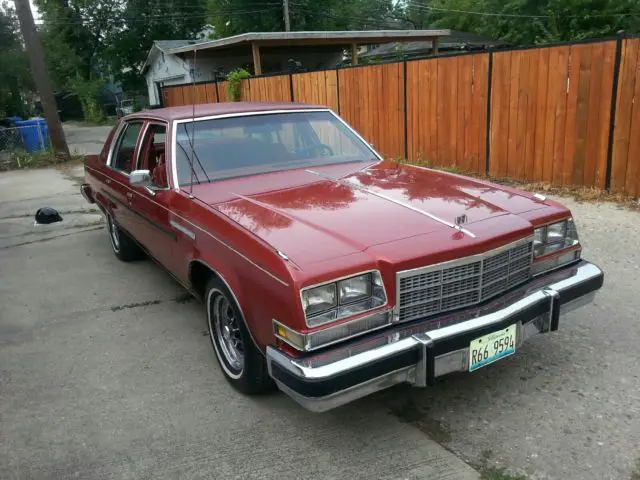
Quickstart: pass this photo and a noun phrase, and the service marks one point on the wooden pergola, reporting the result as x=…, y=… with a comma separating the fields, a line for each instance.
x=348, y=39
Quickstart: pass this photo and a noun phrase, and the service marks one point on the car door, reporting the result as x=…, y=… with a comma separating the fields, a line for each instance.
x=150, y=204
x=120, y=163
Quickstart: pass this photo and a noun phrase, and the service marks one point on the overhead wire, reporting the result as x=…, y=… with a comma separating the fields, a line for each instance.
x=420, y=6
x=131, y=19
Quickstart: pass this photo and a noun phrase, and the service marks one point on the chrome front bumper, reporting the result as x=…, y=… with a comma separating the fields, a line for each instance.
x=420, y=351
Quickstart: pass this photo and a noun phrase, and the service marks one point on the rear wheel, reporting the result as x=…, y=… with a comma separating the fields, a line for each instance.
x=121, y=243
x=242, y=363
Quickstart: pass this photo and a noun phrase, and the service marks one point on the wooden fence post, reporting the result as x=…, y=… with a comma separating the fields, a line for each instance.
x=291, y=88
x=488, y=132
x=338, y=89
x=612, y=115
x=406, y=126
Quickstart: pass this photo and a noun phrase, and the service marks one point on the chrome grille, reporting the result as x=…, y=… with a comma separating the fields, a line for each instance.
x=460, y=283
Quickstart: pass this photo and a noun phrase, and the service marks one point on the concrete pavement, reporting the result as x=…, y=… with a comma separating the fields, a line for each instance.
x=106, y=372
x=85, y=140
x=566, y=406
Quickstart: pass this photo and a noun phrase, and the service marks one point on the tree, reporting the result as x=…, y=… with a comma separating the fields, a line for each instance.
x=75, y=36
x=142, y=22
x=233, y=17
x=528, y=21
x=15, y=80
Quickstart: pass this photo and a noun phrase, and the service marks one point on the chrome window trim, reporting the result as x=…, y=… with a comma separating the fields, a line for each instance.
x=114, y=141
x=357, y=135
x=479, y=257
x=336, y=280
x=175, y=123
x=122, y=128
x=143, y=132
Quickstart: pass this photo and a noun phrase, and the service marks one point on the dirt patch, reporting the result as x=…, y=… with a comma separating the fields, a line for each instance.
x=135, y=305
x=419, y=418
x=635, y=475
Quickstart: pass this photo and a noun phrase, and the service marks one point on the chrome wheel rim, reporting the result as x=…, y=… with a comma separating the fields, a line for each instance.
x=113, y=234
x=226, y=328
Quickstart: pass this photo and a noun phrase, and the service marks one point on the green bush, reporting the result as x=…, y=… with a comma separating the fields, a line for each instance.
x=234, y=80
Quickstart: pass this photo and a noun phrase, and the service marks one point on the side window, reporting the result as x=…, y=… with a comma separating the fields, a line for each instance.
x=122, y=158
x=152, y=154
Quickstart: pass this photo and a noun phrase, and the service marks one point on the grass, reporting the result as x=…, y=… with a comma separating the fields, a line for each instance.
x=499, y=474
x=635, y=475
x=580, y=194
x=22, y=160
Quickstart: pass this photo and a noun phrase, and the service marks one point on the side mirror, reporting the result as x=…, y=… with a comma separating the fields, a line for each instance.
x=140, y=178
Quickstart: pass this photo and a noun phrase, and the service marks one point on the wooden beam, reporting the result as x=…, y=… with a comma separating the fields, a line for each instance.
x=354, y=54
x=257, y=65
x=435, y=45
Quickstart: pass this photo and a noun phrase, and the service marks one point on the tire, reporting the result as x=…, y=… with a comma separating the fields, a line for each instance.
x=122, y=244
x=242, y=363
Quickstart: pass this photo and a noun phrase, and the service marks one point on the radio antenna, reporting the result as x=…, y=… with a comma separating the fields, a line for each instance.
x=193, y=119
x=191, y=138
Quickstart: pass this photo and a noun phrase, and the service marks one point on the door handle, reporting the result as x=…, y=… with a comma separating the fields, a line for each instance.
x=107, y=181
x=129, y=195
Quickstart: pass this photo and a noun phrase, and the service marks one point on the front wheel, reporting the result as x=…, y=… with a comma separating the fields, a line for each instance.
x=242, y=363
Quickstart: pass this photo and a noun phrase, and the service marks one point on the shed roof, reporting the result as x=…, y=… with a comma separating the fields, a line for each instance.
x=310, y=38
x=456, y=40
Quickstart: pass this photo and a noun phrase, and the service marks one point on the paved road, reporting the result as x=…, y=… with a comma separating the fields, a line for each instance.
x=85, y=140
x=106, y=372
x=567, y=405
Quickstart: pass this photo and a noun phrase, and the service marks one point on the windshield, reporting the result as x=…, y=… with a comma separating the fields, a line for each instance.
x=249, y=145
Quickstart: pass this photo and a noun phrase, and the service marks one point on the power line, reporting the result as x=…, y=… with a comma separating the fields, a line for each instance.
x=517, y=15
x=148, y=18
x=378, y=23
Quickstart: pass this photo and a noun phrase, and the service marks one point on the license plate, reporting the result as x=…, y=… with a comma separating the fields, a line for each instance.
x=491, y=347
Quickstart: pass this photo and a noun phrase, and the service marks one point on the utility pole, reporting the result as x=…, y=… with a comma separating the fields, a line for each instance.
x=41, y=77
x=287, y=21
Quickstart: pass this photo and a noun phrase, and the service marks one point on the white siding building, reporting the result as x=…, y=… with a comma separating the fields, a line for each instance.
x=171, y=62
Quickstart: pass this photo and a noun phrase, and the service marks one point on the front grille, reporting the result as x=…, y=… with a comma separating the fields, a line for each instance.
x=438, y=288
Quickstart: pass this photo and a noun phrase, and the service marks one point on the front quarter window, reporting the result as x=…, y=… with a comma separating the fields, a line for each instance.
x=122, y=156
x=253, y=144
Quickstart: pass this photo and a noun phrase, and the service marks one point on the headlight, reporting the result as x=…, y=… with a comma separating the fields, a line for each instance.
x=319, y=299
x=354, y=289
x=554, y=239
x=343, y=298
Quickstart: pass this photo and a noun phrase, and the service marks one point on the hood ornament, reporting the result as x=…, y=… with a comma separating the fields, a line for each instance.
x=461, y=220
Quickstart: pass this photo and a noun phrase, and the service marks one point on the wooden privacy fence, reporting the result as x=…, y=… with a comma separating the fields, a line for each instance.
x=566, y=114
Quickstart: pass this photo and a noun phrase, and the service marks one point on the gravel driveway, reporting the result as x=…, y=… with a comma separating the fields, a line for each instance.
x=106, y=372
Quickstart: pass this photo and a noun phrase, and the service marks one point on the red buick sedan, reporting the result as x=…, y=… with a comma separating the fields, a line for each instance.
x=324, y=269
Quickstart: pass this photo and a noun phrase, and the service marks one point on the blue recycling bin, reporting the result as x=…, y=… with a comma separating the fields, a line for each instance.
x=13, y=120
x=34, y=133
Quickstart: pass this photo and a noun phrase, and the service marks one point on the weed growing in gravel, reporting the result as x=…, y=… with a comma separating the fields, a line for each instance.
x=498, y=474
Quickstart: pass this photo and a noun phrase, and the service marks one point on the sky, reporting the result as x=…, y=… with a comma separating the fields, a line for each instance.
x=34, y=10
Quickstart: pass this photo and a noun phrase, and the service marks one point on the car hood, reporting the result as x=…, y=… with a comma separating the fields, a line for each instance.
x=327, y=216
